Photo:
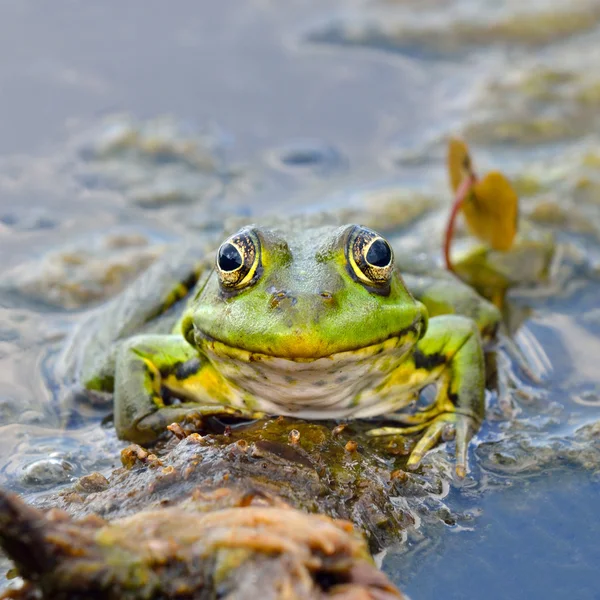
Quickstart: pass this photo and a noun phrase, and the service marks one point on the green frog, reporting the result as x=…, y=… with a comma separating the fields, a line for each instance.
x=314, y=322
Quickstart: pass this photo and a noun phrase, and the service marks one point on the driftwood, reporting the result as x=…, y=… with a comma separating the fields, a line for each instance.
x=248, y=551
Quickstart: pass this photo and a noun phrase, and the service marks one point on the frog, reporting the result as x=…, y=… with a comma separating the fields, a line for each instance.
x=298, y=320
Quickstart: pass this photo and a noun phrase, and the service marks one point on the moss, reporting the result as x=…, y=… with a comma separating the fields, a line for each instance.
x=527, y=185
x=537, y=130
x=589, y=95
x=591, y=159
x=534, y=28
x=543, y=84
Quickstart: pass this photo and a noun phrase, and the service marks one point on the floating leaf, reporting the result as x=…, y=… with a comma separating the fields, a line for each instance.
x=491, y=211
x=459, y=162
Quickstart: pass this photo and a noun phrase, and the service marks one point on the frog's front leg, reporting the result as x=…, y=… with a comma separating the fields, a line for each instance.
x=151, y=372
x=450, y=355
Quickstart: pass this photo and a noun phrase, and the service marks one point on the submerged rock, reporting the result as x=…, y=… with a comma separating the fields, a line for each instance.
x=47, y=471
x=84, y=273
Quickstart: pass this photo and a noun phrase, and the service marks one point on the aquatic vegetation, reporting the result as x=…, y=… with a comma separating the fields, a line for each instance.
x=489, y=204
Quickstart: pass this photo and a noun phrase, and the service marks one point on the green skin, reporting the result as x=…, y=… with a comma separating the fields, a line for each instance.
x=306, y=335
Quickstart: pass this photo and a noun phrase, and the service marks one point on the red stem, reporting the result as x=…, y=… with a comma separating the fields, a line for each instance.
x=459, y=198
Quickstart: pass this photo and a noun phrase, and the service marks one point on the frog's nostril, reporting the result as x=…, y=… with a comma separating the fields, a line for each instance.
x=281, y=296
x=327, y=296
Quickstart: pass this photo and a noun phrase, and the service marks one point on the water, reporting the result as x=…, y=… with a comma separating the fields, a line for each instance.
x=534, y=540
x=265, y=106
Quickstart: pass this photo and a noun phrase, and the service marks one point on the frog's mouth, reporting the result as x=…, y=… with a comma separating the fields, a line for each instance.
x=217, y=348
x=302, y=348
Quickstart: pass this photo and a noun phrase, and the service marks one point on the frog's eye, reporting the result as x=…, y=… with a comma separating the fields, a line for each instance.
x=237, y=260
x=370, y=256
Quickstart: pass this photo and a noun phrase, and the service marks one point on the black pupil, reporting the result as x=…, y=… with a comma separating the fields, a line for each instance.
x=379, y=254
x=230, y=258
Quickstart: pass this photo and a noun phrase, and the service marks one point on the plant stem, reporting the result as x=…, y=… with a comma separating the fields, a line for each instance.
x=459, y=198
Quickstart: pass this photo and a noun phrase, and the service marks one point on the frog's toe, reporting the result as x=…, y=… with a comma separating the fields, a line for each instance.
x=443, y=427
x=418, y=420
x=446, y=426
x=154, y=424
x=430, y=438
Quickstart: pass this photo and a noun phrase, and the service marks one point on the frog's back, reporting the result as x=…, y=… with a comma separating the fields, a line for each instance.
x=151, y=304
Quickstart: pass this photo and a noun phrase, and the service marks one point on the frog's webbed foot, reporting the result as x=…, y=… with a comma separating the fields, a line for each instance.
x=443, y=427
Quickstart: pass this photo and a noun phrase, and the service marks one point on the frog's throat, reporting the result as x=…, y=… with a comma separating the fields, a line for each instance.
x=335, y=386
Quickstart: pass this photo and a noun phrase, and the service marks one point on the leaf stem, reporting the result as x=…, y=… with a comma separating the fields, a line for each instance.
x=459, y=198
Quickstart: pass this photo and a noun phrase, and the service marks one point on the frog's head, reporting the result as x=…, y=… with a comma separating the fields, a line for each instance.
x=309, y=322
x=305, y=295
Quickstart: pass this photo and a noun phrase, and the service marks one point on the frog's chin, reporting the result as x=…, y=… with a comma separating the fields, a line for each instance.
x=331, y=386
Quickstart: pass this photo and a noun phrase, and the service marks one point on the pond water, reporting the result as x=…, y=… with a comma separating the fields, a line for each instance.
x=126, y=127
x=533, y=540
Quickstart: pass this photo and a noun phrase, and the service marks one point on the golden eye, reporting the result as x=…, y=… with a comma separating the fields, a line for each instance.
x=237, y=260
x=370, y=256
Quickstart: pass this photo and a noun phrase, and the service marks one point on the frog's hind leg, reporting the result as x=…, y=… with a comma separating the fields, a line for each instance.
x=451, y=352
x=161, y=379
x=447, y=295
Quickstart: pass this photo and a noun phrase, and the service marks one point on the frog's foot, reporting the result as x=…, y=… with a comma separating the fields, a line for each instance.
x=160, y=380
x=443, y=427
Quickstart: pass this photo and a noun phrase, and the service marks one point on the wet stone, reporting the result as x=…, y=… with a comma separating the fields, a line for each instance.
x=244, y=551
x=94, y=482
x=46, y=472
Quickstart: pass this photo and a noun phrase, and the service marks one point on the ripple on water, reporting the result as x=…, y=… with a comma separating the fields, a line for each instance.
x=307, y=157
